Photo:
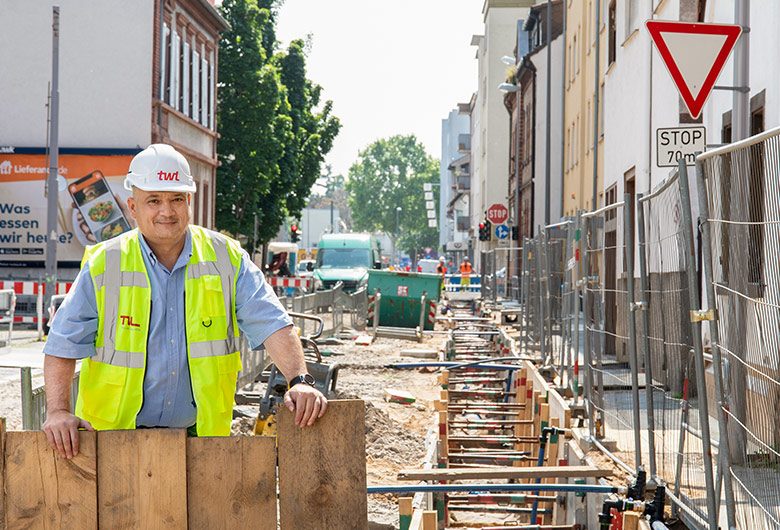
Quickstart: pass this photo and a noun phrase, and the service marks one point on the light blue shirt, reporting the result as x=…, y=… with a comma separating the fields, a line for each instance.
x=168, y=400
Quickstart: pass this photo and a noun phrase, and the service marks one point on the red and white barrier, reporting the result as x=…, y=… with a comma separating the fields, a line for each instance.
x=33, y=288
x=431, y=311
x=299, y=283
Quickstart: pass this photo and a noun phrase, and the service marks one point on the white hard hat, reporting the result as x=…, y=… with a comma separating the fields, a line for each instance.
x=160, y=167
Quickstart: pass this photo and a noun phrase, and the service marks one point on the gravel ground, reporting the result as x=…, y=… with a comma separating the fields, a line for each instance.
x=395, y=433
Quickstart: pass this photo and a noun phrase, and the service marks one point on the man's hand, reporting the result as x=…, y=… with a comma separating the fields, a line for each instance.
x=307, y=403
x=62, y=431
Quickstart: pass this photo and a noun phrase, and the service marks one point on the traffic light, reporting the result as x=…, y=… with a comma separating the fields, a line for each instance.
x=514, y=233
x=295, y=233
x=484, y=230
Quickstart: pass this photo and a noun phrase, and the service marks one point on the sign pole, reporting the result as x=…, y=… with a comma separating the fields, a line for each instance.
x=54, y=146
x=741, y=101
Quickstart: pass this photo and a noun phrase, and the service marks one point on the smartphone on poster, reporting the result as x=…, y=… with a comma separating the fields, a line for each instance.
x=98, y=206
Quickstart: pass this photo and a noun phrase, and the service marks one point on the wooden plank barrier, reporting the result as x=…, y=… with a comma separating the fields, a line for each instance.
x=322, y=469
x=160, y=478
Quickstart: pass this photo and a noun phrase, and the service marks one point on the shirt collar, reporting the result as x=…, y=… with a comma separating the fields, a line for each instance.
x=184, y=257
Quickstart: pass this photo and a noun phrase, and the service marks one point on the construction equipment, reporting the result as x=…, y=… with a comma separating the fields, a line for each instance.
x=325, y=378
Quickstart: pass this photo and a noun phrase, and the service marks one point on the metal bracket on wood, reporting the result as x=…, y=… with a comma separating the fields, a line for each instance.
x=639, y=306
x=700, y=315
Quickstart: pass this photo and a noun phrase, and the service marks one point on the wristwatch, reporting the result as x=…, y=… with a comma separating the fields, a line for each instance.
x=305, y=378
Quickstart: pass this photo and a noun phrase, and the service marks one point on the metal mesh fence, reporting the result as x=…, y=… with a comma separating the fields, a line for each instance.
x=740, y=182
x=671, y=397
x=607, y=331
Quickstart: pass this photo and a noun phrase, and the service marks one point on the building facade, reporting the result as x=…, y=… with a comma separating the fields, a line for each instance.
x=528, y=130
x=580, y=100
x=453, y=171
x=155, y=83
x=490, y=133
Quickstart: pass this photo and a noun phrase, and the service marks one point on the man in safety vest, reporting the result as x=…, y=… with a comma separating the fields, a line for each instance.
x=155, y=315
x=465, y=271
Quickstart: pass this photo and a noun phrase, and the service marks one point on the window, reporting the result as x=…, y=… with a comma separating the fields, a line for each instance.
x=611, y=198
x=575, y=57
x=632, y=17
x=204, y=91
x=601, y=111
x=612, y=52
x=588, y=127
x=701, y=10
x=211, y=93
x=165, y=59
x=173, y=61
x=195, y=86
x=186, y=62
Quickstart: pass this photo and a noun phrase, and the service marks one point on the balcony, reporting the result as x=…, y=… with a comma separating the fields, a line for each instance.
x=464, y=143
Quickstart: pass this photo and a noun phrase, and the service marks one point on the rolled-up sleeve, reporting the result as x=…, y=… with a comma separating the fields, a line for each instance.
x=72, y=332
x=258, y=309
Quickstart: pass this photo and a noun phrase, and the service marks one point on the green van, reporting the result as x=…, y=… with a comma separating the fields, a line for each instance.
x=346, y=258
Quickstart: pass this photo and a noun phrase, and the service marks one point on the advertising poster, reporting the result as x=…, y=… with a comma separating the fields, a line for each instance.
x=91, y=206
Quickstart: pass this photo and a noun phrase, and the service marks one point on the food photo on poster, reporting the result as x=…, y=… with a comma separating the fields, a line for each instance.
x=91, y=206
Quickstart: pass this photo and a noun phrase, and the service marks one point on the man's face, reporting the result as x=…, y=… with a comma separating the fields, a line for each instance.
x=162, y=216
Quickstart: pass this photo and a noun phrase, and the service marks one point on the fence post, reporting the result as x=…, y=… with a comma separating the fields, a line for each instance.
x=523, y=290
x=693, y=296
x=27, y=399
x=576, y=278
x=541, y=312
x=377, y=305
x=723, y=450
x=644, y=287
x=628, y=253
x=586, y=302
x=494, y=280
x=422, y=316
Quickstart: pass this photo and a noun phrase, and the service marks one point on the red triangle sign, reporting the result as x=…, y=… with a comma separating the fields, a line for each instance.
x=694, y=54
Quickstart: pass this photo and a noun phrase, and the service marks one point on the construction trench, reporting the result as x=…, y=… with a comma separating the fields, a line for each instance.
x=454, y=430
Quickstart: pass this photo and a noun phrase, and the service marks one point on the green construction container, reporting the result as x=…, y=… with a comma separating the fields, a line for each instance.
x=401, y=293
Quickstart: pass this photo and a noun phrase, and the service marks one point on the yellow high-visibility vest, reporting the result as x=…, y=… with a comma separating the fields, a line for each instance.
x=111, y=382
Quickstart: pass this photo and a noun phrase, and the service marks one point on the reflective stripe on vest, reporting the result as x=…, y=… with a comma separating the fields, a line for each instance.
x=111, y=384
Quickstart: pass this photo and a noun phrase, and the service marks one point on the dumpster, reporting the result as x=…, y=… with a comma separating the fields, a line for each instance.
x=401, y=294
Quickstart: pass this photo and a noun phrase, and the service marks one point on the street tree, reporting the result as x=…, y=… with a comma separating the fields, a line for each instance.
x=388, y=174
x=274, y=131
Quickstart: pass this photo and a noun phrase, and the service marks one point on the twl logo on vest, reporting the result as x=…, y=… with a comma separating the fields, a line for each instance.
x=162, y=175
x=127, y=320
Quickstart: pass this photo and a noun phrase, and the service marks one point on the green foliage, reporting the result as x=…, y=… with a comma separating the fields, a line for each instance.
x=390, y=173
x=273, y=138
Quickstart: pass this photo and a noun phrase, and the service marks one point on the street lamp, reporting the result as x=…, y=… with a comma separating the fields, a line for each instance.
x=513, y=88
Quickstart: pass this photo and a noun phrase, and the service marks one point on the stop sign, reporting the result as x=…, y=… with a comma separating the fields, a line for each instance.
x=497, y=214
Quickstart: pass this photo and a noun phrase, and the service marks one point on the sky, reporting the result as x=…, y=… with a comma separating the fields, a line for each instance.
x=390, y=66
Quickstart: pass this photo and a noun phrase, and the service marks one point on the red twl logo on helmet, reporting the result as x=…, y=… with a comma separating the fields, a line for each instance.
x=162, y=175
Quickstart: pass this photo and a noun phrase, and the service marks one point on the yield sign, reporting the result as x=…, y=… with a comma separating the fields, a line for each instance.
x=695, y=55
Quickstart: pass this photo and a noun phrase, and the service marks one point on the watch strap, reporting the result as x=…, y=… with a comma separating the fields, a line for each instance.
x=305, y=378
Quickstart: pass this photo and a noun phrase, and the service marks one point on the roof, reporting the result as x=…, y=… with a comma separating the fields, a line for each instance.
x=222, y=24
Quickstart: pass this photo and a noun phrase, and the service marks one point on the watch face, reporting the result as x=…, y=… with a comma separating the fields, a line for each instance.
x=308, y=379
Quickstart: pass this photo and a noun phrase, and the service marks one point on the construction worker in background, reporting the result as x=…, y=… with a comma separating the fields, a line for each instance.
x=465, y=271
x=155, y=315
x=441, y=268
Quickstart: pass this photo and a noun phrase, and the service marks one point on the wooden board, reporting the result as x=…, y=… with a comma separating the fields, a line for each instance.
x=231, y=482
x=142, y=479
x=508, y=472
x=322, y=469
x=46, y=491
